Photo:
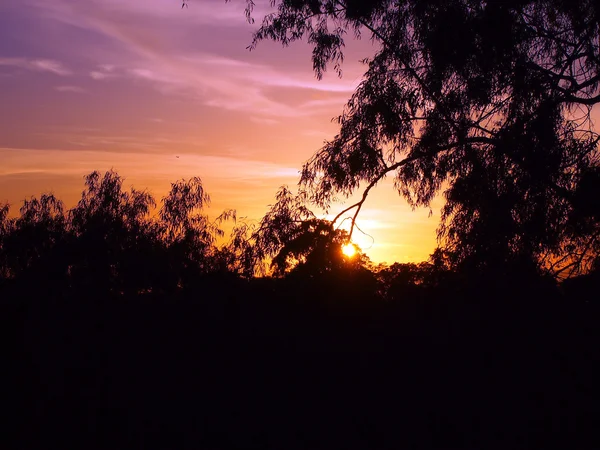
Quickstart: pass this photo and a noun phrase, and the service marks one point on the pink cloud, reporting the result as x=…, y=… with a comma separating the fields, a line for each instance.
x=40, y=65
x=75, y=89
x=156, y=33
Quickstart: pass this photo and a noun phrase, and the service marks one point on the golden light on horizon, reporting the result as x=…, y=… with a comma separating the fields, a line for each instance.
x=349, y=250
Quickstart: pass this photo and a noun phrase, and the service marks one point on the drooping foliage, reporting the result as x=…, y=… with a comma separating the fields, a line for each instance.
x=112, y=234
x=488, y=103
x=117, y=241
x=291, y=238
x=5, y=230
x=27, y=241
x=109, y=240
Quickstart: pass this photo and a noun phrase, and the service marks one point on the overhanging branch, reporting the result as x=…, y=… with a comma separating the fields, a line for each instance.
x=358, y=205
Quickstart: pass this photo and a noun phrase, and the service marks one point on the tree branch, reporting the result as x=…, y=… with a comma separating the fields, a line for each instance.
x=358, y=205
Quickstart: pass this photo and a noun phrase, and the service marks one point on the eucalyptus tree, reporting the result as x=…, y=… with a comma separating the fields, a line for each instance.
x=189, y=233
x=488, y=103
x=6, y=226
x=114, y=235
x=290, y=238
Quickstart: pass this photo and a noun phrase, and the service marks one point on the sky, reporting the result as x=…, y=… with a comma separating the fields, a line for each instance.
x=161, y=93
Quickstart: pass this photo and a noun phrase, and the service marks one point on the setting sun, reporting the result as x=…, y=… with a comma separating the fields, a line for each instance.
x=349, y=250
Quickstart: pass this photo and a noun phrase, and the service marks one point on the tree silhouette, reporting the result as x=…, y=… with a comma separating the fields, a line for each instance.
x=290, y=237
x=487, y=102
x=111, y=228
x=111, y=243
x=6, y=226
x=31, y=241
x=190, y=234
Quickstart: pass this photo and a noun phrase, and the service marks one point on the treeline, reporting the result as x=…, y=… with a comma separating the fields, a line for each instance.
x=111, y=240
x=121, y=242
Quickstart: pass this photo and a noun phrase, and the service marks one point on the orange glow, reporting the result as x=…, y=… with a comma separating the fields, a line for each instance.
x=349, y=250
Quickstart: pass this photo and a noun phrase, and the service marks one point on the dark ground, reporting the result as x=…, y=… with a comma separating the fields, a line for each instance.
x=291, y=365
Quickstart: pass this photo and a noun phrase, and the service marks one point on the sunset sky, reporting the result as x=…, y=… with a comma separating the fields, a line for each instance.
x=160, y=93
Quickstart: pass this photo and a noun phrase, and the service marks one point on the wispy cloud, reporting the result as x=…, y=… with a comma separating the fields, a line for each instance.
x=103, y=72
x=264, y=120
x=155, y=36
x=207, y=12
x=107, y=67
x=75, y=89
x=94, y=74
x=160, y=165
x=40, y=65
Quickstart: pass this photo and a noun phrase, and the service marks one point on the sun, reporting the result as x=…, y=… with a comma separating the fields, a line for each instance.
x=349, y=250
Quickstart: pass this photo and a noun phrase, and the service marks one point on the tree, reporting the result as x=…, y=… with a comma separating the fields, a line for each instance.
x=486, y=102
x=6, y=226
x=291, y=238
x=109, y=242
x=190, y=235
x=30, y=241
x=116, y=245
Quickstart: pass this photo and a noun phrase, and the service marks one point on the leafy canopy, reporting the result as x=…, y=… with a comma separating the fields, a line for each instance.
x=487, y=102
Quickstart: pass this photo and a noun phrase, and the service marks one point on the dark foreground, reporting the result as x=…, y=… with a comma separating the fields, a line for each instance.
x=288, y=365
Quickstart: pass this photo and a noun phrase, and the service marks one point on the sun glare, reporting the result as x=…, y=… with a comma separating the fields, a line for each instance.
x=349, y=250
